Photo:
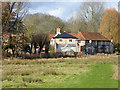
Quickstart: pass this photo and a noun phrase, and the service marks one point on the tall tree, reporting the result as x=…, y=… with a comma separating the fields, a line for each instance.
x=38, y=28
x=41, y=39
x=110, y=26
x=88, y=16
x=13, y=14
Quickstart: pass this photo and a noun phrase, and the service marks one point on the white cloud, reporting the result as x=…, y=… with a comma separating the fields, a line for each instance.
x=37, y=10
x=56, y=12
x=63, y=11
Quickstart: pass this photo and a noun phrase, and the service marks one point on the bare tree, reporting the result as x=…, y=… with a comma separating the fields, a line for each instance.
x=88, y=16
x=13, y=12
x=40, y=39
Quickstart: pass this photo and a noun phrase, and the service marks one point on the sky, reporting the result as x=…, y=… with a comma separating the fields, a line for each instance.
x=63, y=10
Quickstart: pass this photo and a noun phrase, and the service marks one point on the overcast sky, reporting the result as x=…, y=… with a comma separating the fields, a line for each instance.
x=63, y=10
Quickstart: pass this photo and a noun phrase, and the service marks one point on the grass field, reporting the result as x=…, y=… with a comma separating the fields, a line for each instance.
x=86, y=72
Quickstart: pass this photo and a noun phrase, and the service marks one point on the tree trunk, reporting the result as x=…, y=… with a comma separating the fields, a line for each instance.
x=31, y=48
x=41, y=45
x=46, y=49
x=40, y=49
x=35, y=46
x=13, y=52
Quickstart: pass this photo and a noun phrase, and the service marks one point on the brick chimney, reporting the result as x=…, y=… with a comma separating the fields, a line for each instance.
x=58, y=31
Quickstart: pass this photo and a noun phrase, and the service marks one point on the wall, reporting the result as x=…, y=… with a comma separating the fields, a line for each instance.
x=98, y=47
x=65, y=45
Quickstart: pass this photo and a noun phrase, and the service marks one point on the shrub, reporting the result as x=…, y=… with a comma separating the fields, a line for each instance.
x=30, y=56
x=9, y=45
x=25, y=47
x=51, y=50
x=118, y=54
x=117, y=48
x=5, y=54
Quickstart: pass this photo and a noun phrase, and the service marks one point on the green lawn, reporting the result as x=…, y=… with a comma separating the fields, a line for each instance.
x=86, y=72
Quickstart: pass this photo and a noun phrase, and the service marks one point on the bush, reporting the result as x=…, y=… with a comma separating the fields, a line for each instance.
x=8, y=54
x=51, y=50
x=30, y=56
x=9, y=45
x=118, y=54
x=5, y=54
x=26, y=47
x=117, y=48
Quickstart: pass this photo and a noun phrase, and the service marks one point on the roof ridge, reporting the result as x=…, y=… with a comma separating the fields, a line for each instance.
x=92, y=36
x=82, y=35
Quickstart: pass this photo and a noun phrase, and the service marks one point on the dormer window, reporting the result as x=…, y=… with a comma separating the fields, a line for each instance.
x=60, y=40
x=70, y=40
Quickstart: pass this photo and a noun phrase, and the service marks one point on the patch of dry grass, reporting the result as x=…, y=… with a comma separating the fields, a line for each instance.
x=41, y=70
x=115, y=76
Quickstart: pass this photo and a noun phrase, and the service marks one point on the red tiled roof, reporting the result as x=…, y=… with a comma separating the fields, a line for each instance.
x=51, y=36
x=80, y=36
x=91, y=36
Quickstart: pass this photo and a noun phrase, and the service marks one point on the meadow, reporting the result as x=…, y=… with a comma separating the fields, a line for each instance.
x=97, y=71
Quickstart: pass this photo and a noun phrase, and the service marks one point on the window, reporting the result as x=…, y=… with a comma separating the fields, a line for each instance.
x=79, y=41
x=106, y=43
x=70, y=40
x=60, y=40
x=87, y=42
x=95, y=42
x=101, y=42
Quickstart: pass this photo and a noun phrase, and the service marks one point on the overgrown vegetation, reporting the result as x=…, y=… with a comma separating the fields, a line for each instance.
x=91, y=71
